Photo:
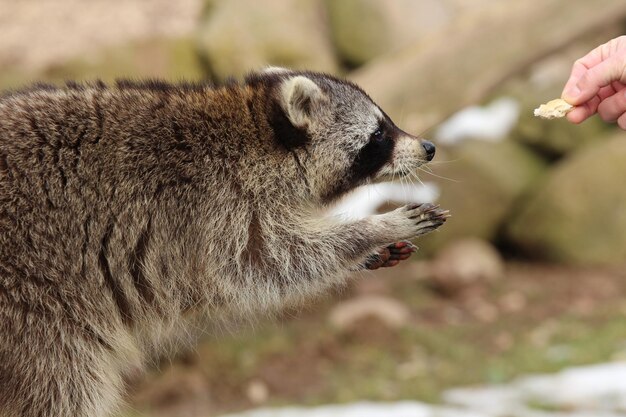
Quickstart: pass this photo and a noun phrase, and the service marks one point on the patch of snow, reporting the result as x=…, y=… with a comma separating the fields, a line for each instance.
x=597, y=387
x=365, y=200
x=588, y=391
x=365, y=409
x=493, y=399
x=492, y=122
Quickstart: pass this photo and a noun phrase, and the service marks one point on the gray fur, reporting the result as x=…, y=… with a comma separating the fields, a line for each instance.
x=126, y=211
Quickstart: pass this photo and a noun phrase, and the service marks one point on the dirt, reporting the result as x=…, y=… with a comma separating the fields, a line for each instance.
x=513, y=326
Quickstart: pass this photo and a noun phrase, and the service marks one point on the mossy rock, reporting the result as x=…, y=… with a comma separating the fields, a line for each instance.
x=579, y=214
x=365, y=29
x=274, y=32
x=481, y=182
x=360, y=32
x=11, y=78
x=555, y=137
x=170, y=59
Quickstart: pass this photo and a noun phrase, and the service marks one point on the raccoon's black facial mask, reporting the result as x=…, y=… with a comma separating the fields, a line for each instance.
x=377, y=152
x=368, y=160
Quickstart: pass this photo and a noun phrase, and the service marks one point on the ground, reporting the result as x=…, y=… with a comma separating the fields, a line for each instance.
x=538, y=318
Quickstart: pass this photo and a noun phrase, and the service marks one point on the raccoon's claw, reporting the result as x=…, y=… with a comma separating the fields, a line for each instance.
x=377, y=260
x=406, y=222
x=390, y=255
x=427, y=217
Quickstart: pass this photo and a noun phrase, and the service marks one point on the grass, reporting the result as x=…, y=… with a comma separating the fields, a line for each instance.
x=448, y=343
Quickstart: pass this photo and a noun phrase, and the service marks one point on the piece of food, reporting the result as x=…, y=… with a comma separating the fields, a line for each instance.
x=553, y=109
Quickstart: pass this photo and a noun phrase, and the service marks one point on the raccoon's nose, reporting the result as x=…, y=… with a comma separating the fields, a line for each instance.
x=429, y=147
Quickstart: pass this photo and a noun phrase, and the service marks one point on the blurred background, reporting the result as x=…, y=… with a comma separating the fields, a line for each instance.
x=514, y=308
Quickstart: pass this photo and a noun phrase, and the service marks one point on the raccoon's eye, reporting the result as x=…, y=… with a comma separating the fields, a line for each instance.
x=378, y=135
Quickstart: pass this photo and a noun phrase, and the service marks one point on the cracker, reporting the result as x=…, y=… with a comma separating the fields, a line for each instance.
x=553, y=109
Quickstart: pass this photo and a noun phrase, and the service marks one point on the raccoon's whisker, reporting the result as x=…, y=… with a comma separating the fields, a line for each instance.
x=446, y=161
x=397, y=171
x=407, y=179
x=414, y=175
x=426, y=130
x=403, y=185
x=369, y=189
x=406, y=182
x=393, y=173
x=419, y=179
x=402, y=114
x=428, y=170
x=437, y=175
x=393, y=178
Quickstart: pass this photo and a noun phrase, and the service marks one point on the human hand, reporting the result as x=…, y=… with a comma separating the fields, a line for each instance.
x=597, y=84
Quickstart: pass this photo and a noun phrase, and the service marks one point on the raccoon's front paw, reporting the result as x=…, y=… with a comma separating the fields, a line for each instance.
x=390, y=255
x=418, y=219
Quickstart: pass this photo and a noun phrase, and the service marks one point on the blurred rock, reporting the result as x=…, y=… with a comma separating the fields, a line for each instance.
x=555, y=137
x=373, y=284
x=513, y=302
x=464, y=263
x=382, y=280
x=38, y=34
x=386, y=310
x=257, y=391
x=552, y=137
x=543, y=82
x=479, y=182
x=237, y=36
x=365, y=29
x=171, y=59
x=579, y=214
x=419, y=86
x=481, y=309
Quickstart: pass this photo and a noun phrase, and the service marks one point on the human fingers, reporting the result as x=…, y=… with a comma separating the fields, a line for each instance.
x=581, y=113
x=603, y=74
x=612, y=107
x=621, y=121
x=579, y=68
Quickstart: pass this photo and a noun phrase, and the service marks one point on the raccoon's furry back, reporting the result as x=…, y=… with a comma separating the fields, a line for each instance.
x=121, y=209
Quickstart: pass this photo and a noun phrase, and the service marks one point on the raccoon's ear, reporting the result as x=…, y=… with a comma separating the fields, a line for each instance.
x=300, y=96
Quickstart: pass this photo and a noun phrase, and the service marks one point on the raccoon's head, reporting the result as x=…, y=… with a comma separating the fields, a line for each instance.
x=338, y=135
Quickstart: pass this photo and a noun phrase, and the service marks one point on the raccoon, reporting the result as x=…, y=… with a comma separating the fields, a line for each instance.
x=126, y=210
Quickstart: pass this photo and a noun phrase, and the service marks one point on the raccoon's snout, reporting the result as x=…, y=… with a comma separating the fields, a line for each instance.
x=430, y=149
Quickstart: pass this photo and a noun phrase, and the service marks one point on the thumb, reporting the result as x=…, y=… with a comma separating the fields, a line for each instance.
x=601, y=75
